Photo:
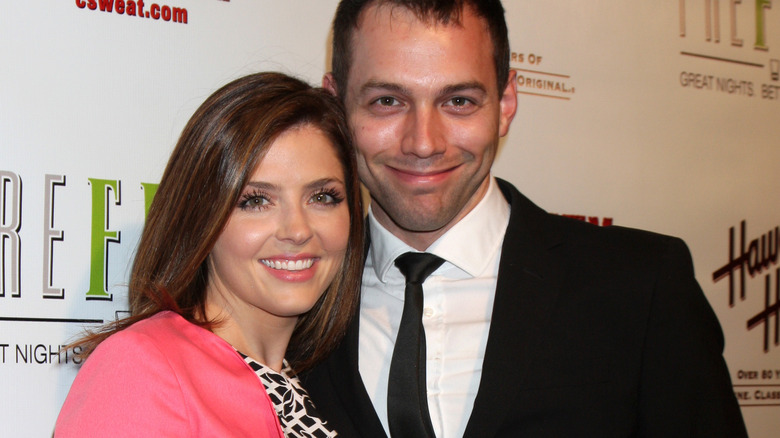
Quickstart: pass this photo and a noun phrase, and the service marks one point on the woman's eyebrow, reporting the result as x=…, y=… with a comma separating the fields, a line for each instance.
x=323, y=181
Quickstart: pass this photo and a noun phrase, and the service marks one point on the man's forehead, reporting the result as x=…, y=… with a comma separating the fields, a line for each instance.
x=389, y=13
x=387, y=34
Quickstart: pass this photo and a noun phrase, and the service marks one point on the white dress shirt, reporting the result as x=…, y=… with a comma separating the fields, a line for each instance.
x=458, y=303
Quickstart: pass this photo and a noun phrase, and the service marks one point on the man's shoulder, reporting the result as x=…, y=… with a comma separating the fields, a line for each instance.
x=608, y=234
x=623, y=243
x=558, y=230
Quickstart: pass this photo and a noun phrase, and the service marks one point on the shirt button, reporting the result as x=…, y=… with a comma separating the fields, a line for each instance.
x=428, y=312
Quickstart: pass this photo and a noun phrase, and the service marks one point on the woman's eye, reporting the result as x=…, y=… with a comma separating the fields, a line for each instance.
x=327, y=198
x=253, y=202
x=323, y=198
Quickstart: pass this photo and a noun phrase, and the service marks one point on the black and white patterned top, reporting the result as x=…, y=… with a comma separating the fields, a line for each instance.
x=296, y=411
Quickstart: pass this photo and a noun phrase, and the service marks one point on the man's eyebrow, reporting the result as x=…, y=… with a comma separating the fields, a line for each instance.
x=384, y=86
x=465, y=86
x=371, y=86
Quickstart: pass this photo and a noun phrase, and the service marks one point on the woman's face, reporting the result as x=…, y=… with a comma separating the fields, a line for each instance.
x=287, y=237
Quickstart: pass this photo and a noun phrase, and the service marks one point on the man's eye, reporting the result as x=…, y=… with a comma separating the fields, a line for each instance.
x=387, y=101
x=459, y=101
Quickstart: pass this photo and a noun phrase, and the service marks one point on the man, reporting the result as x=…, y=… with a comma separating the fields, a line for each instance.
x=534, y=325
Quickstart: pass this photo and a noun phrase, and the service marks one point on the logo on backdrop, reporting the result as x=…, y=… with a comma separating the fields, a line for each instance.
x=14, y=237
x=605, y=221
x=754, y=259
x=136, y=8
x=533, y=79
x=731, y=40
x=104, y=193
x=752, y=274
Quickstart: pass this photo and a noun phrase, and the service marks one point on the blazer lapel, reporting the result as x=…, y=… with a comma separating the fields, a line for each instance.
x=343, y=370
x=344, y=373
x=526, y=291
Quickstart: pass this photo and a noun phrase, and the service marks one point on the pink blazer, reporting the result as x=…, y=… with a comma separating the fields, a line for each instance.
x=164, y=376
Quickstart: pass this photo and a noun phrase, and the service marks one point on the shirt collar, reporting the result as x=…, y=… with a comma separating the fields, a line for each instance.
x=469, y=245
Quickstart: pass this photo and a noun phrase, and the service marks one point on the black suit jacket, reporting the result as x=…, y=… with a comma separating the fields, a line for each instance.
x=596, y=332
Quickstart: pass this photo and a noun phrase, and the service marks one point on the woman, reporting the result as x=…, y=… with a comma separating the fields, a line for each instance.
x=248, y=266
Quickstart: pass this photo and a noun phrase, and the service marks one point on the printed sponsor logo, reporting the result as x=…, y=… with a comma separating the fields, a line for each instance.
x=534, y=80
x=38, y=354
x=105, y=192
x=752, y=268
x=729, y=64
x=106, y=197
x=137, y=8
x=604, y=222
x=747, y=260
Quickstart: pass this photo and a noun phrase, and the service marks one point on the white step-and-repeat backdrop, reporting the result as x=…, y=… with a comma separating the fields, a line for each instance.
x=662, y=115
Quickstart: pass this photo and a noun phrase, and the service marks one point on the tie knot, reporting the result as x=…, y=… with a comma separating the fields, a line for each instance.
x=417, y=266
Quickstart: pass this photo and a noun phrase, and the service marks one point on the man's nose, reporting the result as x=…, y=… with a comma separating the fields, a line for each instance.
x=424, y=134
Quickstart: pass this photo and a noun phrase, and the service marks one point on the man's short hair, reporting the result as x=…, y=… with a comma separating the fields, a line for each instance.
x=432, y=11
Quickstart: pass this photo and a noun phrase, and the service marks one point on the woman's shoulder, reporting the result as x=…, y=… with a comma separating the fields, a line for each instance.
x=164, y=321
x=158, y=330
x=162, y=350
x=161, y=372
x=170, y=335
x=145, y=341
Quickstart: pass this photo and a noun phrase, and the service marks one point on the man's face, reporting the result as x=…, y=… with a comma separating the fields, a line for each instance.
x=426, y=118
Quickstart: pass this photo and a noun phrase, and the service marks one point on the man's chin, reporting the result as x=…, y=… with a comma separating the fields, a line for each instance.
x=418, y=220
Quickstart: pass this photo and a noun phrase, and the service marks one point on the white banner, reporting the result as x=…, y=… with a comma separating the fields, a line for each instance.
x=656, y=115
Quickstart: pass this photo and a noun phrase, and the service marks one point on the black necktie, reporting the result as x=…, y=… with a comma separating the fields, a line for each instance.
x=407, y=398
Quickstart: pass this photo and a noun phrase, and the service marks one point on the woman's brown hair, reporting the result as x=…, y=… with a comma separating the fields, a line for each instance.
x=217, y=152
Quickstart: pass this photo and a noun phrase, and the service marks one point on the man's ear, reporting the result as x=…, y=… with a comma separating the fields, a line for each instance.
x=508, y=104
x=329, y=83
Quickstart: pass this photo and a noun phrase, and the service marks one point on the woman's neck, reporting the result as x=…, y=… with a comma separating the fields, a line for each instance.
x=260, y=337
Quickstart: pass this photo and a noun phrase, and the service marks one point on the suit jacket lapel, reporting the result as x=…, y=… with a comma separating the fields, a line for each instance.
x=344, y=372
x=526, y=291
